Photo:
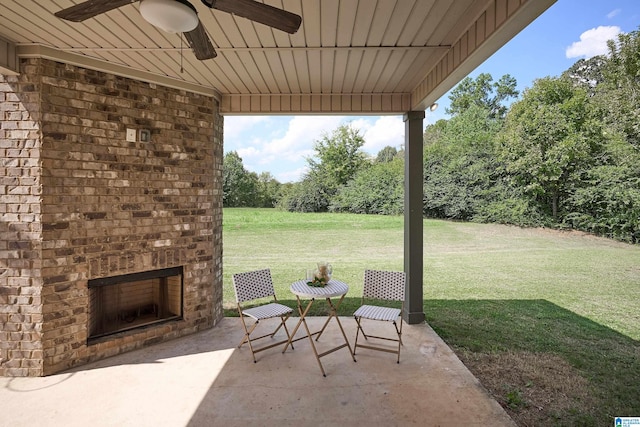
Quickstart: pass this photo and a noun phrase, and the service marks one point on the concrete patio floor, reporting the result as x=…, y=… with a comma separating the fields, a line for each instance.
x=205, y=380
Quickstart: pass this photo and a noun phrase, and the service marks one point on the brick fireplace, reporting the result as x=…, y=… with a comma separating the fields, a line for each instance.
x=81, y=203
x=133, y=301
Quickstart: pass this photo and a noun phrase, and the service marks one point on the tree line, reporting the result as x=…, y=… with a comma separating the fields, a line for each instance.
x=564, y=154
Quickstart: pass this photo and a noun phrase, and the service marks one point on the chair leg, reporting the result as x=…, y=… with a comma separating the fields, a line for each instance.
x=376, y=347
x=358, y=321
x=355, y=344
x=399, y=332
x=278, y=328
x=284, y=323
x=247, y=337
x=358, y=330
x=249, y=331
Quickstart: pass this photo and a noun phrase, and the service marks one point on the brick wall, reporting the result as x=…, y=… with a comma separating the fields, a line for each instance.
x=104, y=207
x=20, y=229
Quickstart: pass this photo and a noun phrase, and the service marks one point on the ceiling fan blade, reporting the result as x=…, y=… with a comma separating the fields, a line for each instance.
x=200, y=43
x=90, y=8
x=259, y=12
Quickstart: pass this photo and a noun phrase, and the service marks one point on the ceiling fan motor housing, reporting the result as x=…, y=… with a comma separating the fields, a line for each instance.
x=172, y=16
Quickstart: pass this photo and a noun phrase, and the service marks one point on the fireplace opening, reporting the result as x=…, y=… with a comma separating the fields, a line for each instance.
x=131, y=301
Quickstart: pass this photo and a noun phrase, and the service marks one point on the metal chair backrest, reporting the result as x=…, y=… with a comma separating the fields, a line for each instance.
x=253, y=285
x=384, y=285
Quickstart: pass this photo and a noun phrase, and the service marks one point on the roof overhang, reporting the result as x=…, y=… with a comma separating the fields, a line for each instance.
x=349, y=56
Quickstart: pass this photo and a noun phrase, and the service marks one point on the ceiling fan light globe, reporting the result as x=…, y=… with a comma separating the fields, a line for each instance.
x=172, y=16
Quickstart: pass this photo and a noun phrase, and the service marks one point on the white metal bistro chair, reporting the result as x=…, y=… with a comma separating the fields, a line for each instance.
x=381, y=287
x=257, y=286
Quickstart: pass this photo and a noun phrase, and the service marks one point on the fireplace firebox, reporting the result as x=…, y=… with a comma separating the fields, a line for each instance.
x=122, y=303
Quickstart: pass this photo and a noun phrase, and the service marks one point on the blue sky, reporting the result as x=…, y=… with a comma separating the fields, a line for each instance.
x=566, y=32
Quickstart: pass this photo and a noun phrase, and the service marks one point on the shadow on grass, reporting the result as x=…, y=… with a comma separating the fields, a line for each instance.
x=606, y=359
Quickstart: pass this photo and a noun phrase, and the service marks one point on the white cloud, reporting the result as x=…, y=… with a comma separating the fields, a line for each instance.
x=593, y=42
x=248, y=152
x=235, y=125
x=386, y=131
x=614, y=13
x=300, y=136
x=291, y=176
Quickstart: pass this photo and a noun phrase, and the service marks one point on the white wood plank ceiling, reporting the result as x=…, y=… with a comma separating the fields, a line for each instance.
x=349, y=56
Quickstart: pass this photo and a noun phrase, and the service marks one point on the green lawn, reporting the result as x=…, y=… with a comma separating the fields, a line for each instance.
x=496, y=294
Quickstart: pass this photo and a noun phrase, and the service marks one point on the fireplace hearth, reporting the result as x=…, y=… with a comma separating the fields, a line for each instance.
x=131, y=301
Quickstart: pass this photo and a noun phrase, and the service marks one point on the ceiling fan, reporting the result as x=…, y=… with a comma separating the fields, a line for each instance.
x=179, y=16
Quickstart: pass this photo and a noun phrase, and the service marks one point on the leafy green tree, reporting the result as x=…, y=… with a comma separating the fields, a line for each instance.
x=239, y=186
x=378, y=189
x=339, y=157
x=568, y=153
x=620, y=91
x=550, y=139
x=433, y=134
x=609, y=202
x=268, y=190
x=483, y=92
x=587, y=73
x=308, y=195
x=459, y=165
x=387, y=154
